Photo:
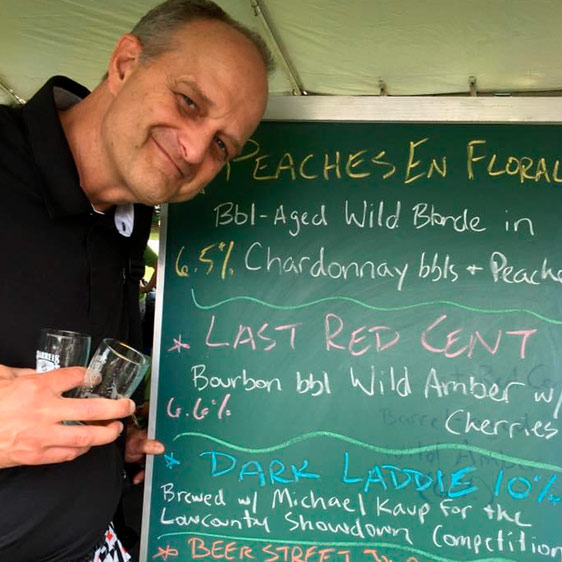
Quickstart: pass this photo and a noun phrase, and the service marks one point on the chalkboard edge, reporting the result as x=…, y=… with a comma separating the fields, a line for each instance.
x=154, y=380
x=414, y=109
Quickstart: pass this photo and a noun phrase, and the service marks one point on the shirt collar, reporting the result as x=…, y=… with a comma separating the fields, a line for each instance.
x=51, y=152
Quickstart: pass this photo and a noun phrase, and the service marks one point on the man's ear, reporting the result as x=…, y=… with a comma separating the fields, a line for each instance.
x=124, y=60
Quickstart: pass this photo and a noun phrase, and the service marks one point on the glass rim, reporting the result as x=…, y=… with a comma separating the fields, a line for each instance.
x=113, y=343
x=64, y=333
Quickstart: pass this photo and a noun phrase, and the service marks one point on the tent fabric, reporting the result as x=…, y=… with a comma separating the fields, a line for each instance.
x=336, y=47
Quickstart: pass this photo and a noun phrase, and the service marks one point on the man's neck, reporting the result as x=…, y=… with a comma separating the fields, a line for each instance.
x=82, y=124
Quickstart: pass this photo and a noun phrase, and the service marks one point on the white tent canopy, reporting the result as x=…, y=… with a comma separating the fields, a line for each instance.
x=342, y=47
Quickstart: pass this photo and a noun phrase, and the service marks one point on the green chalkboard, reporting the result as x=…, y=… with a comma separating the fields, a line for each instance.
x=360, y=349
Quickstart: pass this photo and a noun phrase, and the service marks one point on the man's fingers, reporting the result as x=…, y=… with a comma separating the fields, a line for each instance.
x=94, y=409
x=64, y=379
x=148, y=447
x=61, y=443
x=139, y=477
x=138, y=446
x=86, y=436
x=78, y=436
x=32, y=409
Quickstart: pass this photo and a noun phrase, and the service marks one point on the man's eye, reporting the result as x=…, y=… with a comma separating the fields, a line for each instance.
x=222, y=146
x=188, y=101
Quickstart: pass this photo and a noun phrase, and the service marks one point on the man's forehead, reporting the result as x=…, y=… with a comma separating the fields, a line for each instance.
x=203, y=30
x=216, y=47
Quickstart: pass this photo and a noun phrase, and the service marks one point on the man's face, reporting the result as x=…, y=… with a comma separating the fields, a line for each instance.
x=176, y=119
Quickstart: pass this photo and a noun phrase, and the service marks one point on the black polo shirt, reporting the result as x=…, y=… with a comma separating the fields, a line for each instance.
x=67, y=267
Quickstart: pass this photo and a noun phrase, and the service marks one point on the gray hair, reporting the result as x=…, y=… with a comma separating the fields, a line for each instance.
x=156, y=27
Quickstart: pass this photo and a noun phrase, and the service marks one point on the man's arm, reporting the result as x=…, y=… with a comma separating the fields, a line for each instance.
x=31, y=411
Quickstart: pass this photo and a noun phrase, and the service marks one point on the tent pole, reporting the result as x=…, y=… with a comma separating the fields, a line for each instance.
x=278, y=51
x=10, y=91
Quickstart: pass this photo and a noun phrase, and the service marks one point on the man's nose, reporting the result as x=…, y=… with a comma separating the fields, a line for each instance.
x=194, y=143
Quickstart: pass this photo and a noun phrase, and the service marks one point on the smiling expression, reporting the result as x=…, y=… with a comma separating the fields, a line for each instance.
x=176, y=119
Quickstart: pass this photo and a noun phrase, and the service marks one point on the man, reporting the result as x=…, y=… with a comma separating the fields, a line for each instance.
x=183, y=93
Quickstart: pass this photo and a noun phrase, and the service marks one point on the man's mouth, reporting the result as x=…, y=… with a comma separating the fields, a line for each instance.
x=167, y=155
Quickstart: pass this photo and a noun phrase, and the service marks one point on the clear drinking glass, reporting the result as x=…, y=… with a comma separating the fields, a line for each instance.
x=61, y=348
x=115, y=371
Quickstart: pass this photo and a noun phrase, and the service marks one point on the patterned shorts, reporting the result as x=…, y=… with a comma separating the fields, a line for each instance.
x=111, y=550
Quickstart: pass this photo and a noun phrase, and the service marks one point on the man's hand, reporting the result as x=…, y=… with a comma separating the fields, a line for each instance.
x=138, y=446
x=31, y=411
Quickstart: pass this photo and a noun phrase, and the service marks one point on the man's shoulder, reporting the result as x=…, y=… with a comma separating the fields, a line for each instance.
x=10, y=116
x=12, y=128
x=10, y=108
x=17, y=165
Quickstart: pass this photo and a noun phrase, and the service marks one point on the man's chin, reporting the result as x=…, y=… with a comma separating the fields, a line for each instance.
x=186, y=194
x=160, y=195
x=152, y=197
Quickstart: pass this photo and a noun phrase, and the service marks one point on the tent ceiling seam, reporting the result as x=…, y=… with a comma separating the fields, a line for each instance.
x=279, y=54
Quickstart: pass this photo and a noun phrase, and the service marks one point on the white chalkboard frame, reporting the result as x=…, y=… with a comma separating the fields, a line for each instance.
x=431, y=109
